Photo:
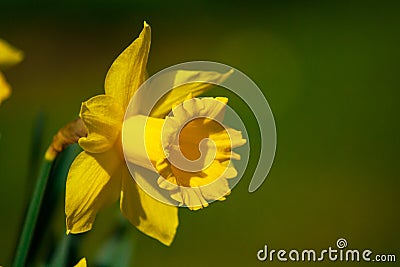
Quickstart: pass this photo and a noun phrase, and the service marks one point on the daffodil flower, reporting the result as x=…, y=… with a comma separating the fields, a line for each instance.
x=99, y=175
x=193, y=155
x=8, y=56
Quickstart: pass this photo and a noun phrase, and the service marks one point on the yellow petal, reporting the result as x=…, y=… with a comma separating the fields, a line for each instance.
x=183, y=89
x=5, y=90
x=154, y=218
x=103, y=119
x=128, y=71
x=92, y=183
x=9, y=55
x=81, y=263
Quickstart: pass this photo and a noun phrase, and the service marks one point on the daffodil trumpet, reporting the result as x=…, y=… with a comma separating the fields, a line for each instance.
x=191, y=150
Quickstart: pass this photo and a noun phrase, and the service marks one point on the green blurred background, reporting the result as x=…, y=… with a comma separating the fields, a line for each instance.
x=329, y=70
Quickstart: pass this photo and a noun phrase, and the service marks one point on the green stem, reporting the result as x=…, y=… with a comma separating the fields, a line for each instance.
x=32, y=215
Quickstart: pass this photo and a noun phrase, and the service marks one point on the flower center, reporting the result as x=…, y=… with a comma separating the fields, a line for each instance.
x=190, y=153
x=191, y=150
x=195, y=147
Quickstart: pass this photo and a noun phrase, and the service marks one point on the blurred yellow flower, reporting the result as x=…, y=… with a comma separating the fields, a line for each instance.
x=99, y=175
x=81, y=263
x=8, y=56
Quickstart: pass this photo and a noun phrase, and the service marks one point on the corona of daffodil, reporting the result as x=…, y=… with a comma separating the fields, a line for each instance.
x=190, y=150
x=8, y=56
x=99, y=175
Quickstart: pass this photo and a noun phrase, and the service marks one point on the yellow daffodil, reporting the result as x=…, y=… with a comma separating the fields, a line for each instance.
x=8, y=56
x=193, y=157
x=99, y=175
